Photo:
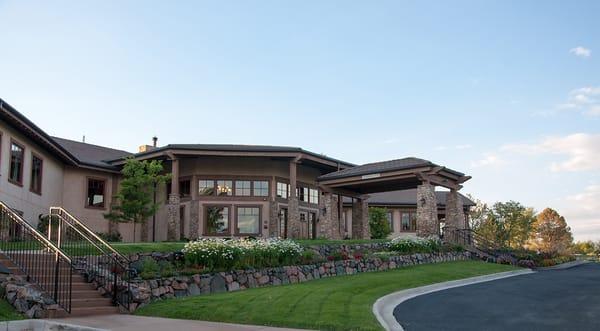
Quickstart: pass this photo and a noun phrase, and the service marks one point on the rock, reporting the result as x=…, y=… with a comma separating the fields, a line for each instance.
x=252, y=282
x=217, y=284
x=263, y=280
x=228, y=279
x=180, y=286
x=193, y=289
x=234, y=286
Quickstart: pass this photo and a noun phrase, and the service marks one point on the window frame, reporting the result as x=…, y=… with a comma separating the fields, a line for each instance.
x=21, y=166
x=205, y=219
x=31, y=188
x=254, y=188
x=235, y=188
x=260, y=213
x=87, y=192
x=390, y=214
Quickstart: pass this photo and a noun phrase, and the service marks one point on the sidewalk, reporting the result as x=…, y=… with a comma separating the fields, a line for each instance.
x=123, y=322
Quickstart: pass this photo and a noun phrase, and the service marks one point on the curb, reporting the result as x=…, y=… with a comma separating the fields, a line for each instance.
x=384, y=307
x=565, y=265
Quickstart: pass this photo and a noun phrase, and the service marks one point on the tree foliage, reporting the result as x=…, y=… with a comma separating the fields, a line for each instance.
x=551, y=233
x=586, y=247
x=135, y=197
x=508, y=224
x=378, y=223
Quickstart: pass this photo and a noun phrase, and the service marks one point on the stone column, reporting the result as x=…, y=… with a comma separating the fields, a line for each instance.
x=173, y=205
x=273, y=219
x=194, y=210
x=427, y=221
x=293, y=204
x=455, y=214
x=360, y=219
x=328, y=226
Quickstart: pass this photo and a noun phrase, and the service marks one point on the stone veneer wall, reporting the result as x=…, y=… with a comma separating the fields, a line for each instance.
x=146, y=291
x=26, y=297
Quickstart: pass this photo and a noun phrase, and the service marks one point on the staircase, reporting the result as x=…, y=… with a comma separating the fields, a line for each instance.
x=472, y=242
x=68, y=263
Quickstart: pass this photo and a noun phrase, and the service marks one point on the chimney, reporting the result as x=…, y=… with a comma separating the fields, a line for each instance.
x=147, y=148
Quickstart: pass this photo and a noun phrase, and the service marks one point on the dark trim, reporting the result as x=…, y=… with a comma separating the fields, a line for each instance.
x=18, y=182
x=260, y=222
x=41, y=179
x=87, y=187
x=205, y=220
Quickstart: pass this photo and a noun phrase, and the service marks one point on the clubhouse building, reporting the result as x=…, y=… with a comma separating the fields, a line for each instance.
x=226, y=190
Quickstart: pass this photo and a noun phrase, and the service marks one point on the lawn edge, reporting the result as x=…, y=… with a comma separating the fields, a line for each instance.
x=384, y=307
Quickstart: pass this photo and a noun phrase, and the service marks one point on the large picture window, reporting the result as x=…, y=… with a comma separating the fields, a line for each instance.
x=242, y=188
x=217, y=220
x=409, y=221
x=224, y=187
x=95, y=193
x=261, y=188
x=206, y=187
x=248, y=220
x=36, y=174
x=17, y=155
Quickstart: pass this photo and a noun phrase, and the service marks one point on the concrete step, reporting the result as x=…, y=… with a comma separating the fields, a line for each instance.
x=96, y=301
x=85, y=294
x=89, y=311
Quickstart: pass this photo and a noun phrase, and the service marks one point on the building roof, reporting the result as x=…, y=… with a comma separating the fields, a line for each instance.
x=237, y=148
x=92, y=155
x=21, y=123
x=384, y=166
x=408, y=198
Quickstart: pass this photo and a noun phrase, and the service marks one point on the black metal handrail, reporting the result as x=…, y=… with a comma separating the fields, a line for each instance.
x=470, y=238
x=42, y=262
x=92, y=255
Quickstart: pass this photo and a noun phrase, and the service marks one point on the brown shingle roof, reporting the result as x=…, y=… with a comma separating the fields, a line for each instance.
x=407, y=198
x=92, y=155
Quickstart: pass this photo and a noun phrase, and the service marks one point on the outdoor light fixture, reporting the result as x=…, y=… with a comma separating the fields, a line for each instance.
x=422, y=201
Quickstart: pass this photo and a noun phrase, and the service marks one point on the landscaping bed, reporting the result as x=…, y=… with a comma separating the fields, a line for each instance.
x=337, y=303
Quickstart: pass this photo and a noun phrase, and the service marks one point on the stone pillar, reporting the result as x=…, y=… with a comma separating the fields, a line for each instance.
x=328, y=226
x=360, y=219
x=273, y=219
x=293, y=204
x=173, y=205
x=455, y=214
x=427, y=221
x=195, y=219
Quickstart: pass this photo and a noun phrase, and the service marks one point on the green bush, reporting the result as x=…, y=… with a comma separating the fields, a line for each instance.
x=110, y=237
x=222, y=254
x=411, y=245
x=166, y=269
x=378, y=223
x=150, y=268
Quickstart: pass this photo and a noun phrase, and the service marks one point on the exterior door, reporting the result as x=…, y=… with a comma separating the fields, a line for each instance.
x=312, y=225
x=283, y=223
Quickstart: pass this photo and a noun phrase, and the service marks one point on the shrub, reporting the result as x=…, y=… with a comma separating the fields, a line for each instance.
x=378, y=223
x=110, y=237
x=166, y=269
x=150, y=268
x=505, y=259
x=410, y=245
x=214, y=253
x=526, y=264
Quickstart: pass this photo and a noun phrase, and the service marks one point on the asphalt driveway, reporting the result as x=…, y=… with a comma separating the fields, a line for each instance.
x=547, y=300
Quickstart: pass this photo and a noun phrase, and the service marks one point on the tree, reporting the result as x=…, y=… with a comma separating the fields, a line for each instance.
x=586, y=247
x=509, y=224
x=551, y=233
x=135, y=198
x=378, y=223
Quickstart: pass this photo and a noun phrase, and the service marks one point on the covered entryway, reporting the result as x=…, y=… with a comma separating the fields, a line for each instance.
x=401, y=174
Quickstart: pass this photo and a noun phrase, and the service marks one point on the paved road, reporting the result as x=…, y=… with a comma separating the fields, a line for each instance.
x=547, y=300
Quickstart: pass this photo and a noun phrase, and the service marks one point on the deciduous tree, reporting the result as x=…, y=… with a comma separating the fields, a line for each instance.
x=551, y=233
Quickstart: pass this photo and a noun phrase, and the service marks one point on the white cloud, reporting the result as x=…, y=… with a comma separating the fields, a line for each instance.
x=582, y=212
x=582, y=151
x=488, y=159
x=585, y=99
x=581, y=51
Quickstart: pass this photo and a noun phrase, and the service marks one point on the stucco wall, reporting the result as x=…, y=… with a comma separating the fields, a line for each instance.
x=20, y=197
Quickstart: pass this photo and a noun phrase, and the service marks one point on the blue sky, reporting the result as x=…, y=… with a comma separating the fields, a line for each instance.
x=505, y=91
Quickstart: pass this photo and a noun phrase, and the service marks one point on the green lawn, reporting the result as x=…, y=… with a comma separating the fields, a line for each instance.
x=147, y=247
x=338, y=303
x=8, y=313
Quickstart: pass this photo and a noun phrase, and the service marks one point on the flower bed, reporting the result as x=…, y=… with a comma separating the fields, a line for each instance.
x=411, y=245
x=222, y=254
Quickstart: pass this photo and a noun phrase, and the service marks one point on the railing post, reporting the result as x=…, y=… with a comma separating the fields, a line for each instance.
x=56, y=273
x=114, y=272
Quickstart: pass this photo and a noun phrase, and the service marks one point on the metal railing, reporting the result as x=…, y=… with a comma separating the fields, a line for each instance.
x=471, y=239
x=92, y=255
x=42, y=262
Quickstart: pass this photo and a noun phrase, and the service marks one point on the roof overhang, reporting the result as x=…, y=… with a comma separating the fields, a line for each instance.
x=393, y=180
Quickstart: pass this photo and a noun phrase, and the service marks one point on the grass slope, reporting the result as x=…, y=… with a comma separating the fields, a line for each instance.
x=338, y=303
x=8, y=313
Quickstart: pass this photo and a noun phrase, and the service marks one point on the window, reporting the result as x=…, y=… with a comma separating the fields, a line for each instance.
x=261, y=188
x=224, y=187
x=206, y=187
x=95, y=193
x=313, y=196
x=185, y=188
x=17, y=153
x=409, y=221
x=390, y=219
x=302, y=193
x=282, y=190
x=242, y=188
x=248, y=220
x=217, y=220
x=36, y=174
